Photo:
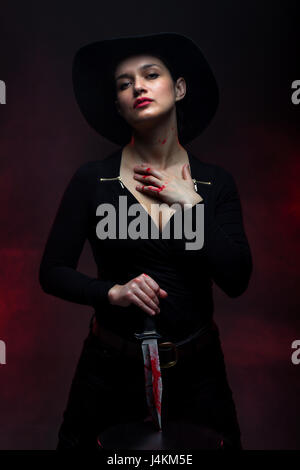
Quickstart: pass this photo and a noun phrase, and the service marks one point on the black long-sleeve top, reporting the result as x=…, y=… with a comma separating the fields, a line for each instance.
x=187, y=275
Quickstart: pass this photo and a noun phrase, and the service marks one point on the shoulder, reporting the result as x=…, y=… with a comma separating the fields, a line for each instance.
x=90, y=171
x=217, y=175
x=223, y=176
x=107, y=165
x=84, y=171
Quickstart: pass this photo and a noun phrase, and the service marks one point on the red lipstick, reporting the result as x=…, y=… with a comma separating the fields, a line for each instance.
x=141, y=102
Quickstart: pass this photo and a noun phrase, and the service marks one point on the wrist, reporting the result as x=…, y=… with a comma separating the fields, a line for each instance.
x=191, y=199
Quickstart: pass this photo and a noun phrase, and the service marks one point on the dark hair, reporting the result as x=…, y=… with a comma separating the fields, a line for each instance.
x=174, y=74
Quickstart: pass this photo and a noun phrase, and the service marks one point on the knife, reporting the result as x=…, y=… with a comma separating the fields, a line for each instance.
x=153, y=380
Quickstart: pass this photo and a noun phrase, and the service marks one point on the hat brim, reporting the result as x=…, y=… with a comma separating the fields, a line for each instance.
x=94, y=86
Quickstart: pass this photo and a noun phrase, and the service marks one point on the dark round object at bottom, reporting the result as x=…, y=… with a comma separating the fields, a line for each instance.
x=174, y=435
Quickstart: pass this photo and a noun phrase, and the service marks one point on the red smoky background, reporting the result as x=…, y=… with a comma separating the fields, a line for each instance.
x=253, y=49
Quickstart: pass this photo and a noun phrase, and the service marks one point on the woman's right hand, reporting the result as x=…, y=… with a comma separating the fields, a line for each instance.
x=142, y=291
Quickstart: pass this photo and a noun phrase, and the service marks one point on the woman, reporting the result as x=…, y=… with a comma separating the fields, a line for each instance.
x=165, y=95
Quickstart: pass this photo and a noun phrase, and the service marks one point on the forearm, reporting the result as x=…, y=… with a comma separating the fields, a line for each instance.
x=224, y=248
x=228, y=255
x=71, y=285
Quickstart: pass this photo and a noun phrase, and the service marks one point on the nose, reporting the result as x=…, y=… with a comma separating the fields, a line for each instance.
x=139, y=87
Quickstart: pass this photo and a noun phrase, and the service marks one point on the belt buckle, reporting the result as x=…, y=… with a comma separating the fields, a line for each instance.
x=172, y=363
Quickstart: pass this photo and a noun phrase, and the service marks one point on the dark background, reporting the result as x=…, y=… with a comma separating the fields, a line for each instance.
x=253, y=48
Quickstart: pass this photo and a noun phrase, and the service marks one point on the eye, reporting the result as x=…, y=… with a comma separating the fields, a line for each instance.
x=154, y=73
x=121, y=87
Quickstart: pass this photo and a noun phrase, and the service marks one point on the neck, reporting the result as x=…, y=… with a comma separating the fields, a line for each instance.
x=157, y=145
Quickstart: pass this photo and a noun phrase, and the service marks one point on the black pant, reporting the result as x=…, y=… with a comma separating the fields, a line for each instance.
x=108, y=389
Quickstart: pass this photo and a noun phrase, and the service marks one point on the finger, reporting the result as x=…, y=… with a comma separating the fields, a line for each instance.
x=162, y=293
x=150, y=281
x=150, y=189
x=183, y=171
x=186, y=172
x=149, y=291
x=147, y=288
x=143, y=169
x=146, y=299
x=137, y=301
x=148, y=179
x=159, y=292
x=137, y=287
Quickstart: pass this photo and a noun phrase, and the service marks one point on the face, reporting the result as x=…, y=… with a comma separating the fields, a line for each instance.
x=146, y=76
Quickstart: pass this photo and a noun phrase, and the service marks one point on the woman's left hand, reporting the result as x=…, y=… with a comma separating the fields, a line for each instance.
x=168, y=188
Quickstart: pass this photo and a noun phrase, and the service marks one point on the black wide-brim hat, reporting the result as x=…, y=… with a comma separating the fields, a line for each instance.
x=94, y=85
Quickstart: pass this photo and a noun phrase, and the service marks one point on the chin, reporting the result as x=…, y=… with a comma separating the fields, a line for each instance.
x=141, y=120
x=149, y=118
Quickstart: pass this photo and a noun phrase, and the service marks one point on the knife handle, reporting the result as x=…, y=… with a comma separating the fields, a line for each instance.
x=149, y=330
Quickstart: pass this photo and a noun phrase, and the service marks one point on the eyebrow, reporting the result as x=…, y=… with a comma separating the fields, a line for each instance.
x=124, y=75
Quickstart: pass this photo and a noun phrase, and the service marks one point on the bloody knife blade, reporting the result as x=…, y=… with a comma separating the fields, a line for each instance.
x=153, y=381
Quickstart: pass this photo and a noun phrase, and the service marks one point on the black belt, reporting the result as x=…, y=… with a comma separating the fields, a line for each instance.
x=169, y=352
